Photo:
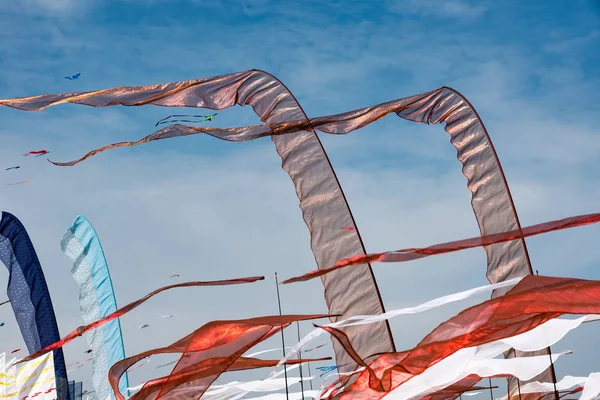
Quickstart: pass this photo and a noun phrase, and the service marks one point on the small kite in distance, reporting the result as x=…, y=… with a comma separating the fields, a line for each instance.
x=329, y=368
x=315, y=348
x=15, y=351
x=15, y=167
x=166, y=365
x=88, y=351
x=141, y=365
x=1, y=323
x=73, y=77
x=79, y=362
x=37, y=153
x=73, y=369
x=144, y=326
x=174, y=276
x=166, y=316
x=206, y=118
x=19, y=183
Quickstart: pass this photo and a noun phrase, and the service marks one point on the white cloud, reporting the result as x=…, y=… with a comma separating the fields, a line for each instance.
x=441, y=8
x=46, y=8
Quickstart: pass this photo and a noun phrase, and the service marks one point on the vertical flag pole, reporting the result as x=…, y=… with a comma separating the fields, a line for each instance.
x=309, y=374
x=556, y=396
x=301, y=366
x=287, y=394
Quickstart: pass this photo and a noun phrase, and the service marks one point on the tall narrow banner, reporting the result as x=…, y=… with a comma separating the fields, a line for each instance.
x=29, y=296
x=97, y=300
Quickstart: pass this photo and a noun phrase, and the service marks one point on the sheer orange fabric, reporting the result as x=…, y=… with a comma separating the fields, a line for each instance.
x=206, y=353
x=535, y=300
x=450, y=247
x=125, y=309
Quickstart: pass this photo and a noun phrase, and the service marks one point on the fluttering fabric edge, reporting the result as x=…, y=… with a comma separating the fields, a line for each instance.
x=410, y=254
x=125, y=309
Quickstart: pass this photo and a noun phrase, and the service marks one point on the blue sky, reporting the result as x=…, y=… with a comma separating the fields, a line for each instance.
x=180, y=206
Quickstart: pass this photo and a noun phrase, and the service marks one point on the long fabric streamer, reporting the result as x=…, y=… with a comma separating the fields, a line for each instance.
x=524, y=368
x=216, y=392
x=322, y=201
x=533, y=301
x=303, y=158
x=564, y=384
x=206, y=354
x=405, y=255
x=234, y=388
x=368, y=319
x=123, y=310
x=96, y=299
x=479, y=360
x=264, y=351
x=285, y=370
x=591, y=390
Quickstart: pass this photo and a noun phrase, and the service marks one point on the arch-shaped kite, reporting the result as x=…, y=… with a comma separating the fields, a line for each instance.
x=325, y=209
x=303, y=158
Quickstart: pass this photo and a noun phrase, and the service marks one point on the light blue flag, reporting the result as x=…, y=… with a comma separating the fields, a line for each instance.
x=97, y=300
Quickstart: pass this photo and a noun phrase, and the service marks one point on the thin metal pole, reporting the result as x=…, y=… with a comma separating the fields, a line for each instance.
x=287, y=394
x=309, y=374
x=556, y=396
x=491, y=390
x=518, y=381
x=300, y=358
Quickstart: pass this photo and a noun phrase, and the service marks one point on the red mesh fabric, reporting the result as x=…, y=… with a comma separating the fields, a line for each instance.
x=125, y=309
x=535, y=300
x=187, y=378
x=207, y=353
x=333, y=231
x=324, y=206
x=450, y=247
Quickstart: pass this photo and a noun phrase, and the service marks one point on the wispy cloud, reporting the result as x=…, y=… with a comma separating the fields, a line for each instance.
x=440, y=8
x=47, y=8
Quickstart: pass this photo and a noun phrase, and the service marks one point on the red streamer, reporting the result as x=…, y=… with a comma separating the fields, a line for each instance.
x=450, y=247
x=38, y=152
x=123, y=310
x=207, y=352
x=533, y=301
